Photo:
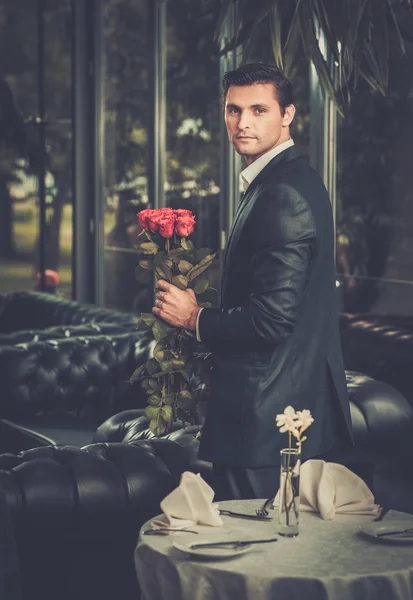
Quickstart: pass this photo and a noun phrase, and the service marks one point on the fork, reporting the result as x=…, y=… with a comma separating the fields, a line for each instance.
x=166, y=531
x=240, y=515
x=383, y=512
x=263, y=512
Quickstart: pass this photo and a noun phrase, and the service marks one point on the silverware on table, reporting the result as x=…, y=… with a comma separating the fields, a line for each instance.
x=231, y=543
x=382, y=513
x=232, y=513
x=263, y=512
x=397, y=532
x=166, y=531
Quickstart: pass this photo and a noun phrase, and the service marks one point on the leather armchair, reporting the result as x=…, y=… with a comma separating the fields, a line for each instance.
x=64, y=367
x=76, y=515
x=382, y=425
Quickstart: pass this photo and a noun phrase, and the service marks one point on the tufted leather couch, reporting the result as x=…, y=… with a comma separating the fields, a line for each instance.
x=382, y=424
x=380, y=346
x=76, y=512
x=64, y=368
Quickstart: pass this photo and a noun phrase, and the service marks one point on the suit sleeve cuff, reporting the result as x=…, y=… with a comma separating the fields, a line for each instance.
x=198, y=337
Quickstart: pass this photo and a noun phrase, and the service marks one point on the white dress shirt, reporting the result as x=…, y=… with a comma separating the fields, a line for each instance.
x=247, y=176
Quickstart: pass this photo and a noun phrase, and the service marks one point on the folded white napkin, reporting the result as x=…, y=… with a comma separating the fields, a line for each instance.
x=188, y=504
x=330, y=488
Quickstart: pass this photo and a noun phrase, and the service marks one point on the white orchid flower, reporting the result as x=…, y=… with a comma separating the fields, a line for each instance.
x=289, y=413
x=294, y=422
x=306, y=418
x=290, y=425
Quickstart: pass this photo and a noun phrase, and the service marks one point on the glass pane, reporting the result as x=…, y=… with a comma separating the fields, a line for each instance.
x=19, y=213
x=22, y=153
x=374, y=197
x=59, y=227
x=193, y=122
x=126, y=146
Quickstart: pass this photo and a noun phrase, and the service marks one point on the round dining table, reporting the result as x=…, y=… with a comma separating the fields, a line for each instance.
x=328, y=560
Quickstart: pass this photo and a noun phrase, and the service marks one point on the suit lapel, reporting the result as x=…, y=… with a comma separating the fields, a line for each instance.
x=248, y=199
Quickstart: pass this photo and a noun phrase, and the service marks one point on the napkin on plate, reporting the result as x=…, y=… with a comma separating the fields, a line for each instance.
x=190, y=503
x=330, y=488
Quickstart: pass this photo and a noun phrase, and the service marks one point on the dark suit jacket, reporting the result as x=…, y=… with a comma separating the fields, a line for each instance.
x=275, y=338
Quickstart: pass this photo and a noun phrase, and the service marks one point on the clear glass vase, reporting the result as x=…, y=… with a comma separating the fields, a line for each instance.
x=289, y=493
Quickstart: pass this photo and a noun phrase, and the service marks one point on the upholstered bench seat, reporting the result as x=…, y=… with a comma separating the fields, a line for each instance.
x=382, y=425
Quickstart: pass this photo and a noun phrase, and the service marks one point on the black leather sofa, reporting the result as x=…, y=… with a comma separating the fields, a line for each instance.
x=380, y=346
x=76, y=512
x=64, y=368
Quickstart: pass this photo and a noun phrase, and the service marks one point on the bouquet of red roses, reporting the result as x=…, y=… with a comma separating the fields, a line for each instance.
x=171, y=376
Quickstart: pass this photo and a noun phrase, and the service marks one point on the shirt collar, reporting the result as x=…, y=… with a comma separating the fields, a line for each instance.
x=250, y=173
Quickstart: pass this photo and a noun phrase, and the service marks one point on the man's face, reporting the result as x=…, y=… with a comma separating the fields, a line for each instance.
x=254, y=121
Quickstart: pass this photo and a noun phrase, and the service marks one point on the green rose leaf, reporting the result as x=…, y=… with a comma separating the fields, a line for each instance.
x=159, y=352
x=136, y=374
x=169, y=399
x=167, y=413
x=147, y=319
x=159, y=258
x=145, y=386
x=154, y=400
x=146, y=264
x=184, y=266
x=175, y=253
x=148, y=247
x=180, y=281
x=185, y=375
x=154, y=385
x=184, y=399
x=172, y=365
x=202, y=253
x=152, y=412
x=152, y=366
x=164, y=272
x=157, y=426
x=187, y=244
x=160, y=329
x=201, y=266
x=201, y=285
x=182, y=415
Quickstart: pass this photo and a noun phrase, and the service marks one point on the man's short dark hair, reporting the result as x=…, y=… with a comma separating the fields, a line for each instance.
x=252, y=73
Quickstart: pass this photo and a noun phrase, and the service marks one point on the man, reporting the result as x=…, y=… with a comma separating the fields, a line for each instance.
x=275, y=338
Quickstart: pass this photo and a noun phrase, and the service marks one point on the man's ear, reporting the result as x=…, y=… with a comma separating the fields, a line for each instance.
x=288, y=115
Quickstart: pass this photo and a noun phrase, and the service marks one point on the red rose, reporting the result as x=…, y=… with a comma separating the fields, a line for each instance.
x=143, y=218
x=185, y=222
x=164, y=221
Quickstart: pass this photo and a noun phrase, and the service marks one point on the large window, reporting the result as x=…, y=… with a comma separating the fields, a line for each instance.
x=193, y=121
x=35, y=146
x=191, y=149
x=127, y=118
x=374, y=197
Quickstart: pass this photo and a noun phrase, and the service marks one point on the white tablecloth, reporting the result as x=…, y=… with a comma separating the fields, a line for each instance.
x=329, y=560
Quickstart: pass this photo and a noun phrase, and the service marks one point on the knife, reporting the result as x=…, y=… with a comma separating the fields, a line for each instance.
x=234, y=543
x=398, y=532
x=231, y=513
